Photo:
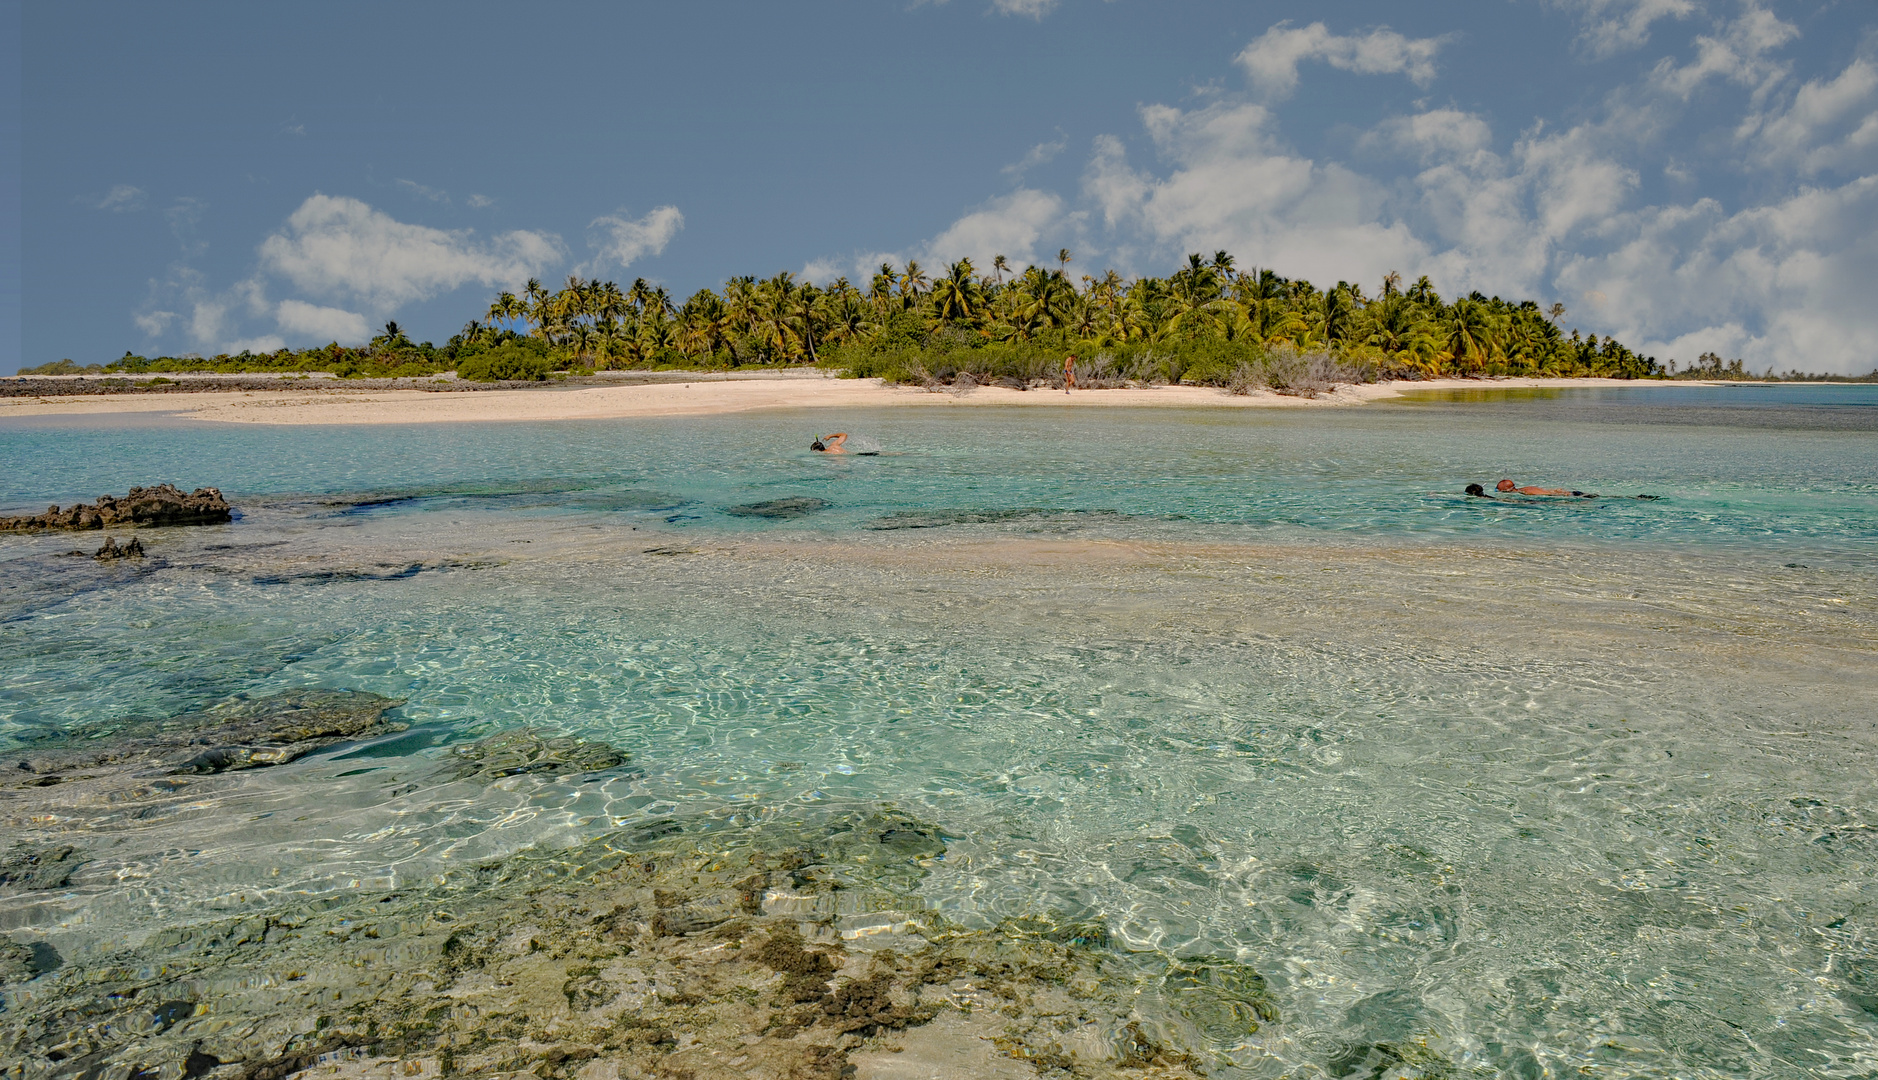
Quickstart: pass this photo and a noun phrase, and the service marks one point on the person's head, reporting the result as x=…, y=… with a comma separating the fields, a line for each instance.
x=817, y=445
x=1476, y=489
x=1505, y=485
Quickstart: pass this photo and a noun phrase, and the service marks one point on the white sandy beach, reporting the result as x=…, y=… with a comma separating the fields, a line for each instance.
x=330, y=404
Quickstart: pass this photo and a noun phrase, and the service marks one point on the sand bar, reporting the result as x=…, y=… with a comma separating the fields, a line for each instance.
x=705, y=396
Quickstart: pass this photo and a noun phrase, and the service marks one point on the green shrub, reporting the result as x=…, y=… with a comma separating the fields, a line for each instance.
x=505, y=362
x=61, y=367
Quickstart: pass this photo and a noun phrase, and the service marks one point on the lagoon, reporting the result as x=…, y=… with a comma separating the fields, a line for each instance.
x=1439, y=783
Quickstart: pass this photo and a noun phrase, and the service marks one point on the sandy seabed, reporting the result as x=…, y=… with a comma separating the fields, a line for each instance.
x=795, y=390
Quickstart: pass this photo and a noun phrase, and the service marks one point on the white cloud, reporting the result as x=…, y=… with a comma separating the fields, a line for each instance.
x=122, y=198
x=1829, y=124
x=621, y=241
x=858, y=268
x=1786, y=283
x=153, y=323
x=1737, y=53
x=1613, y=26
x=433, y=194
x=266, y=343
x=1031, y=9
x=1271, y=60
x=1041, y=154
x=340, y=247
x=478, y=202
x=309, y=321
x=1448, y=133
x=1233, y=185
x=1009, y=225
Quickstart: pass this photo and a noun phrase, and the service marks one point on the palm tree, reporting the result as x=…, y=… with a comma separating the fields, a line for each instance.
x=1391, y=284
x=912, y=283
x=956, y=297
x=1467, y=334
x=1000, y=266
x=1063, y=258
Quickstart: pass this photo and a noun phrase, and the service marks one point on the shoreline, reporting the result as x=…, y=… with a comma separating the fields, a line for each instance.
x=704, y=395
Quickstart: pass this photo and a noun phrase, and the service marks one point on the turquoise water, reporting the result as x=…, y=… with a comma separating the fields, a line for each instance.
x=1542, y=786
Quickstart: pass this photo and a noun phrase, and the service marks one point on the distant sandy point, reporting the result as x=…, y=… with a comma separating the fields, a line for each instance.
x=704, y=397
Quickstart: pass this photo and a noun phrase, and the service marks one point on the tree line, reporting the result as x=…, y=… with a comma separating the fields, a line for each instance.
x=1204, y=305
x=1207, y=322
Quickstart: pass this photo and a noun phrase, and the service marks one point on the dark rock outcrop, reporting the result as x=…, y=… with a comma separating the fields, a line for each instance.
x=164, y=504
x=111, y=552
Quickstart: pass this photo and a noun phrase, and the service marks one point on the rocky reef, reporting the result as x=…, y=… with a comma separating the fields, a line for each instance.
x=164, y=504
x=243, y=734
x=646, y=953
x=793, y=944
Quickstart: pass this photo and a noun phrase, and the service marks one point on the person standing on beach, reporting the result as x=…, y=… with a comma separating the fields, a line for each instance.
x=1069, y=373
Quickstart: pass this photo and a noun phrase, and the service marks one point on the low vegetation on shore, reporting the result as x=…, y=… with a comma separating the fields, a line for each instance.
x=1208, y=323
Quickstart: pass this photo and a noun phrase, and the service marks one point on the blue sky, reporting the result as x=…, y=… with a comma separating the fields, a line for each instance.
x=1689, y=175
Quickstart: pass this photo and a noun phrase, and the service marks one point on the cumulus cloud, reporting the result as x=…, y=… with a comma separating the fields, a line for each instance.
x=1608, y=27
x=340, y=247
x=1737, y=53
x=311, y=322
x=1271, y=60
x=1548, y=212
x=153, y=322
x=1009, y=225
x=1827, y=124
x=1232, y=184
x=478, y=202
x=1783, y=284
x=122, y=198
x=619, y=241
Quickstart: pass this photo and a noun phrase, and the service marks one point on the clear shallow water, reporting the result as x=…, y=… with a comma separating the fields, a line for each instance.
x=1548, y=787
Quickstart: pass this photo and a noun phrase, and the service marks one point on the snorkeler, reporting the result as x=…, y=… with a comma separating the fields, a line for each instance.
x=830, y=444
x=1507, y=487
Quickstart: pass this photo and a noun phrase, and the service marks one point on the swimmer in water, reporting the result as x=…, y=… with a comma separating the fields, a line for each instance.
x=1508, y=487
x=1477, y=492
x=830, y=444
